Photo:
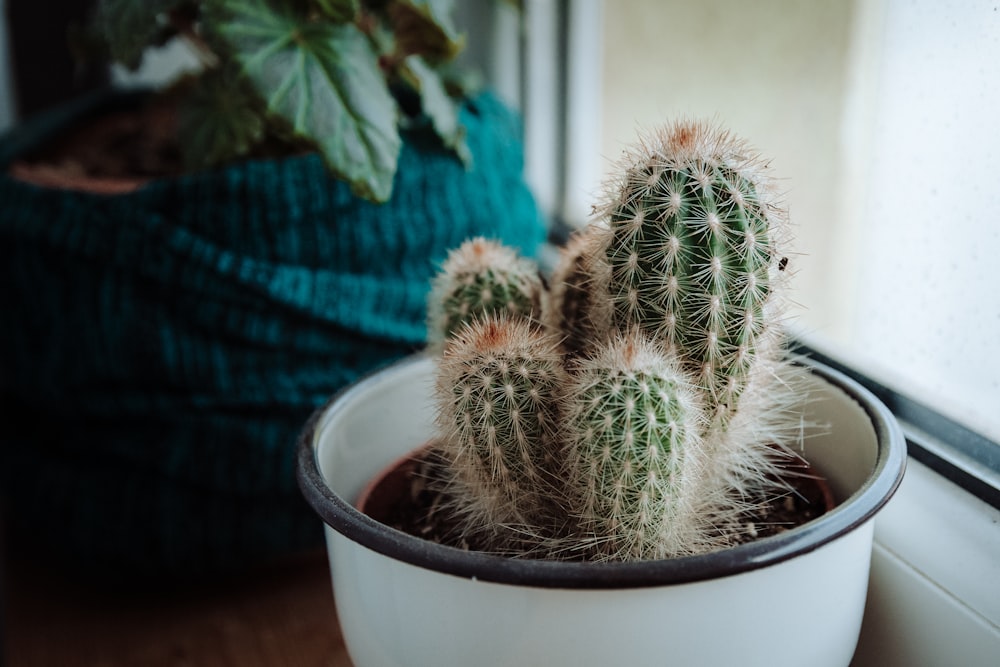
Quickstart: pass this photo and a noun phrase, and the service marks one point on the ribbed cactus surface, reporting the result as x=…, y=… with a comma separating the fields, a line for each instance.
x=691, y=253
x=572, y=290
x=500, y=386
x=634, y=436
x=482, y=278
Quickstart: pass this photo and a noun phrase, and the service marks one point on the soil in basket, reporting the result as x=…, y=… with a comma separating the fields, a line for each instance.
x=404, y=500
x=130, y=146
x=119, y=150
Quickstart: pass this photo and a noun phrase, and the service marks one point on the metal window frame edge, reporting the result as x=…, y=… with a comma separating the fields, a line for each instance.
x=957, y=453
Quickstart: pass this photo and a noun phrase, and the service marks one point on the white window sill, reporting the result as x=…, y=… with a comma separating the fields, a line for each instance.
x=934, y=597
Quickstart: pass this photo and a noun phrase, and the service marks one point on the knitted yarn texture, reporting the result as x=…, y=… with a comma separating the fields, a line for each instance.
x=161, y=349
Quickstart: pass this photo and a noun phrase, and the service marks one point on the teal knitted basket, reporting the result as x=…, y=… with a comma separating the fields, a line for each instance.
x=161, y=349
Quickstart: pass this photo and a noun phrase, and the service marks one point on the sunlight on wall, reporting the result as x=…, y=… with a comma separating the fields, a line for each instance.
x=926, y=307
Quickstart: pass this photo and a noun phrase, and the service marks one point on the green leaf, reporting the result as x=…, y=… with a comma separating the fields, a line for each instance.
x=219, y=120
x=341, y=11
x=129, y=27
x=435, y=102
x=324, y=80
x=424, y=27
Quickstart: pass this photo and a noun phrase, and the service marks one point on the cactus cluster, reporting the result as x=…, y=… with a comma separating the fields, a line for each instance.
x=630, y=409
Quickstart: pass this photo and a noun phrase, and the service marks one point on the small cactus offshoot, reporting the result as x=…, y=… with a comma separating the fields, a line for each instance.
x=482, y=278
x=633, y=436
x=499, y=389
x=629, y=410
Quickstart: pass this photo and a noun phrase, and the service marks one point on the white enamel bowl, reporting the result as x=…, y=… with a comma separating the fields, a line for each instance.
x=792, y=599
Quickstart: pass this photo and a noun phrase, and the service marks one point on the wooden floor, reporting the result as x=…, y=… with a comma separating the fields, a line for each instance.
x=280, y=617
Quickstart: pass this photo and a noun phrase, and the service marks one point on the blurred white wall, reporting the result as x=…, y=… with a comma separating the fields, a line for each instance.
x=925, y=306
x=880, y=117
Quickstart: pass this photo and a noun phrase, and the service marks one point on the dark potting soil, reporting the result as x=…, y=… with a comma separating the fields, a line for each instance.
x=407, y=501
x=121, y=149
x=132, y=143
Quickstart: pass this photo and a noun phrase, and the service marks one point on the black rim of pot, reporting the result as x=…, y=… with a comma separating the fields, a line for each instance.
x=855, y=511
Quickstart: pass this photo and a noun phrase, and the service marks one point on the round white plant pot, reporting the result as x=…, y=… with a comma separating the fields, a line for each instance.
x=791, y=599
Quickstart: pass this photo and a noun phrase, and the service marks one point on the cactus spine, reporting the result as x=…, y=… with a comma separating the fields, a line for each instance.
x=635, y=417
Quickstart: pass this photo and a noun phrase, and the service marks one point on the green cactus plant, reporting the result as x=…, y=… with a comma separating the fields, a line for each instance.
x=479, y=278
x=655, y=418
x=693, y=255
x=499, y=389
x=635, y=462
x=570, y=288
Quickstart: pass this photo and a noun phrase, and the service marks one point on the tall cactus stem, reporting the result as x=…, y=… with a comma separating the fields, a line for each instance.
x=693, y=254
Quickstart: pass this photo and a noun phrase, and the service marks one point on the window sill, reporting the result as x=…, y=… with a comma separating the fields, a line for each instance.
x=934, y=596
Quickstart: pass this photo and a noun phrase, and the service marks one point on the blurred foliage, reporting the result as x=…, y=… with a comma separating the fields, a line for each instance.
x=330, y=74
